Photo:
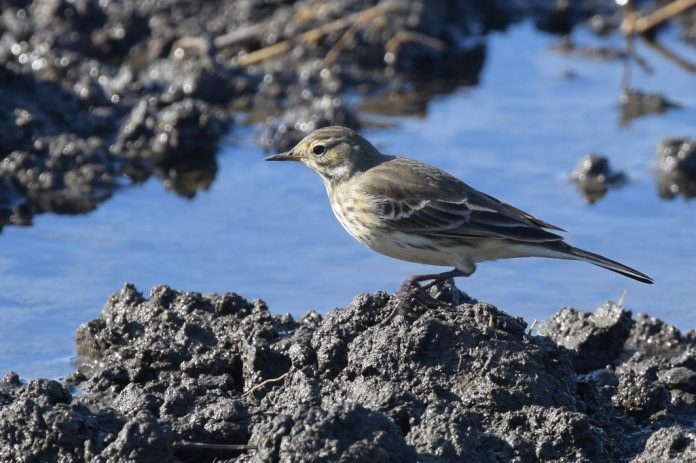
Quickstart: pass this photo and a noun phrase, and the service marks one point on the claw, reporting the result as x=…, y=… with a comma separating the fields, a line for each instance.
x=410, y=289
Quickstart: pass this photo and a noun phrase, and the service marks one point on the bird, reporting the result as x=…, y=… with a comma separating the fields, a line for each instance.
x=410, y=210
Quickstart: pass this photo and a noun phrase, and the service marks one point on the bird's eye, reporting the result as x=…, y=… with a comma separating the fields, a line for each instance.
x=318, y=149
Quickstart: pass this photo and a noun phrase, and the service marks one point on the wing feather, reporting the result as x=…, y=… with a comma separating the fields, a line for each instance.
x=417, y=198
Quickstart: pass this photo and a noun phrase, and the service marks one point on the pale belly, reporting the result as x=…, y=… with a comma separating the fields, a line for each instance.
x=462, y=254
x=406, y=246
x=418, y=249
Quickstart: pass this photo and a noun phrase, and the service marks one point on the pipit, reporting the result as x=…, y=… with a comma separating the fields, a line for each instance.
x=412, y=211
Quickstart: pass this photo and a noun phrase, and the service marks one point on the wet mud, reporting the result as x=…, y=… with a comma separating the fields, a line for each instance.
x=186, y=377
x=675, y=161
x=593, y=176
x=95, y=95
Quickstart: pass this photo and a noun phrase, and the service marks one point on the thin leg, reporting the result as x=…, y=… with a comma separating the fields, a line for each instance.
x=420, y=293
x=435, y=277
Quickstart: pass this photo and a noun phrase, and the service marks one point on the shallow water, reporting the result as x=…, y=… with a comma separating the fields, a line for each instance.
x=266, y=230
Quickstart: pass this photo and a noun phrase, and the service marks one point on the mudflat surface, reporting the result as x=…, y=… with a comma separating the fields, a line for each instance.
x=186, y=377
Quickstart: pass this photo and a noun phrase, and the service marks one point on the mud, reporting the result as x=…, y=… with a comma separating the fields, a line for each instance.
x=97, y=94
x=184, y=377
x=594, y=176
x=675, y=161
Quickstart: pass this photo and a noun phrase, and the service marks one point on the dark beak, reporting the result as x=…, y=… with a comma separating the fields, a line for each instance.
x=286, y=156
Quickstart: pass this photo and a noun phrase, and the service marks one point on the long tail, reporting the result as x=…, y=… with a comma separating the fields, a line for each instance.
x=608, y=264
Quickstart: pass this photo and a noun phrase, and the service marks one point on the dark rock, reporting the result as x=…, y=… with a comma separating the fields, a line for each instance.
x=687, y=358
x=133, y=399
x=142, y=438
x=45, y=392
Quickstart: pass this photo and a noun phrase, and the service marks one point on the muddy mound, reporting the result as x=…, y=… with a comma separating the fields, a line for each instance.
x=189, y=377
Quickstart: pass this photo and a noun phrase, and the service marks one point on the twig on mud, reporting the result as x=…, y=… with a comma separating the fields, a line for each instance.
x=395, y=43
x=622, y=298
x=205, y=446
x=263, y=383
x=242, y=34
x=312, y=35
x=364, y=18
x=492, y=320
x=632, y=25
x=531, y=328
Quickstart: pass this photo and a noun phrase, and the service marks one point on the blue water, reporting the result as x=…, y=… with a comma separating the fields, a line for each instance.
x=265, y=230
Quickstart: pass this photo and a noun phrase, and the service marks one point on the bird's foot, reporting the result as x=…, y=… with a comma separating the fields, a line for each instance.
x=436, y=280
x=411, y=291
x=402, y=299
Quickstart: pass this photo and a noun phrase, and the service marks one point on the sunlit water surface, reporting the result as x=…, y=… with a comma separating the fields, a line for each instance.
x=265, y=230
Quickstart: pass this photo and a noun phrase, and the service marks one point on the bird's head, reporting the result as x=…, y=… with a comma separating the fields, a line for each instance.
x=335, y=153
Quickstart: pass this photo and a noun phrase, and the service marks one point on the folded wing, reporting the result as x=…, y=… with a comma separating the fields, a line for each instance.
x=417, y=198
x=435, y=217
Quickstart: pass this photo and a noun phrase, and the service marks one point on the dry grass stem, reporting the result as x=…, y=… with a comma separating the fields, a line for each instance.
x=263, y=383
x=632, y=25
x=313, y=35
x=206, y=446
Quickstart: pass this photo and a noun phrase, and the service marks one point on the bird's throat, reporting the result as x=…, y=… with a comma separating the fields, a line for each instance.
x=337, y=174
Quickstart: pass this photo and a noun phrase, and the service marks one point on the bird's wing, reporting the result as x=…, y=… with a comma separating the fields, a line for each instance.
x=416, y=198
x=513, y=211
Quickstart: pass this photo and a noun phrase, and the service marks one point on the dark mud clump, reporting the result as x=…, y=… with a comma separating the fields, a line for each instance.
x=186, y=377
x=594, y=176
x=676, y=168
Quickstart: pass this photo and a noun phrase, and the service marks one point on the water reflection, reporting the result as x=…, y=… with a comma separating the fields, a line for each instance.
x=188, y=176
x=433, y=79
x=635, y=103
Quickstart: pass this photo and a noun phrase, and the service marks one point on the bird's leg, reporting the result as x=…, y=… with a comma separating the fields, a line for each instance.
x=435, y=277
x=420, y=293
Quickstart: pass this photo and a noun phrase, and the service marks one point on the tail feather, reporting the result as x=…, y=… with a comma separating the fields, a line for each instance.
x=608, y=264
